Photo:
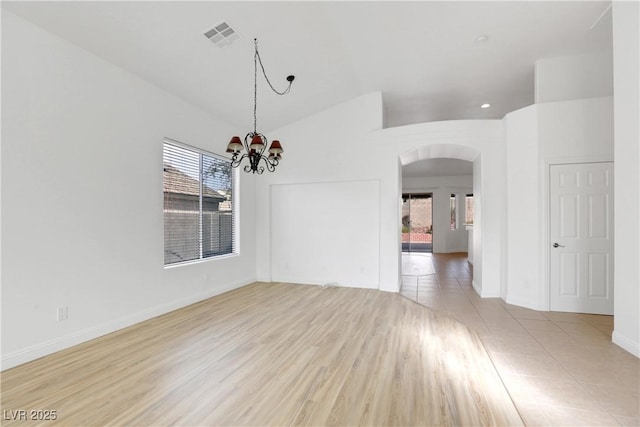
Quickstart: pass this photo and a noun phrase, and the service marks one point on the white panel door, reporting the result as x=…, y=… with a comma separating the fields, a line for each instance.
x=581, y=237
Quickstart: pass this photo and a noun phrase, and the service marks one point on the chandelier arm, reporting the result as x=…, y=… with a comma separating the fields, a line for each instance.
x=235, y=160
x=270, y=163
x=257, y=169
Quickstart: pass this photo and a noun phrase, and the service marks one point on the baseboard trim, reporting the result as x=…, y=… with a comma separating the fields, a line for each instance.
x=476, y=288
x=484, y=294
x=526, y=303
x=37, y=351
x=495, y=294
x=626, y=343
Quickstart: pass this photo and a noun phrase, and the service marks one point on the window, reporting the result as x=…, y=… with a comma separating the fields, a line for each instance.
x=468, y=209
x=198, y=204
x=452, y=209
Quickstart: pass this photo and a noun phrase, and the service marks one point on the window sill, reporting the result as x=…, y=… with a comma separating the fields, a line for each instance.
x=200, y=261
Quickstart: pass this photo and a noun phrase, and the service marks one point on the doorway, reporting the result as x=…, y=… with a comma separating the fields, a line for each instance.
x=581, y=237
x=417, y=222
x=437, y=162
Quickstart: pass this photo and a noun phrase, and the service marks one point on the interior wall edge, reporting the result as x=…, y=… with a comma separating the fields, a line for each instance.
x=626, y=343
x=526, y=303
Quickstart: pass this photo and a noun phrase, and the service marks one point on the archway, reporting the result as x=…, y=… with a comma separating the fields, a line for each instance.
x=457, y=152
x=479, y=141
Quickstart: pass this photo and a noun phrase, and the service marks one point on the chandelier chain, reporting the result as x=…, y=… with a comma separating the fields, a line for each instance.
x=264, y=73
x=255, y=143
x=258, y=60
x=255, y=88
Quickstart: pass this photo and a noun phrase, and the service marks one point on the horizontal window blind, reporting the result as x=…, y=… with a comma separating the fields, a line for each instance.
x=198, y=204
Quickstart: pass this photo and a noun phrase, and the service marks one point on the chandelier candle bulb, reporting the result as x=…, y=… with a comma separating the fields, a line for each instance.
x=275, y=148
x=235, y=145
x=256, y=143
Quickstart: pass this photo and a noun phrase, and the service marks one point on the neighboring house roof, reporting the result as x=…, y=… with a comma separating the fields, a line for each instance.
x=177, y=182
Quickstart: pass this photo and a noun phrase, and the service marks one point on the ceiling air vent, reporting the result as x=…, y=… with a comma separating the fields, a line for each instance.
x=222, y=35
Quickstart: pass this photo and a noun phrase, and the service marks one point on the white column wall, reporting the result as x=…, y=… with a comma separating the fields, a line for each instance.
x=564, y=78
x=477, y=229
x=525, y=285
x=626, y=51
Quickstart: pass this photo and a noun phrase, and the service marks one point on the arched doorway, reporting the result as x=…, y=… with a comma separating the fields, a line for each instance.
x=479, y=141
x=448, y=173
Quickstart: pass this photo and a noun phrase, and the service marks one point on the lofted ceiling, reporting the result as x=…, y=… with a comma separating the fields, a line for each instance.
x=423, y=56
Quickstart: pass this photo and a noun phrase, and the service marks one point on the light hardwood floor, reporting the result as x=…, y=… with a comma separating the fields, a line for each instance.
x=561, y=369
x=273, y=354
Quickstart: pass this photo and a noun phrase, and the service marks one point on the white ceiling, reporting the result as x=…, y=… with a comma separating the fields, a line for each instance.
x=437, y=167
x=422, y=55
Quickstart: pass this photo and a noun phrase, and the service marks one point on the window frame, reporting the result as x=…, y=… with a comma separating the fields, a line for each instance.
x=453, y=212
x=235, y=229
x=466, y=210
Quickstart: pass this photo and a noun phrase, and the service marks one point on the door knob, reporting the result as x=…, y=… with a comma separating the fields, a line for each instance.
x=558, y=245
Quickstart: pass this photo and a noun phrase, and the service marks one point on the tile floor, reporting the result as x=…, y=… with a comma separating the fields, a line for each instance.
x=561, y=369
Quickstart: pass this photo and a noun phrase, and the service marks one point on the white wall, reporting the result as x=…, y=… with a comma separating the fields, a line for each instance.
x=581, y=129
x=538, y=136
x=482, y=142
x=479, y=141
x=626, y=49
x=523, y=209
x=477, y=228
x=574, y=77
x=445, y=240
x=327, y=233
x=346, y=143
x=82, y=222
x=326, y=150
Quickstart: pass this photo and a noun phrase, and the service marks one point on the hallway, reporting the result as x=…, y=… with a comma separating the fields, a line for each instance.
x=560, y=368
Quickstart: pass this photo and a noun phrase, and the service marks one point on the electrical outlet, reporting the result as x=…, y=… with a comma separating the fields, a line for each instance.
x=62, y=313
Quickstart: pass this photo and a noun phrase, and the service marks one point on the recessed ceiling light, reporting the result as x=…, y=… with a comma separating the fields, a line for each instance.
x=485, y=106
x=482, y=38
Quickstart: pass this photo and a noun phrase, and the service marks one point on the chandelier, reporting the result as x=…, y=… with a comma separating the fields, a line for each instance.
x=255, y=143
